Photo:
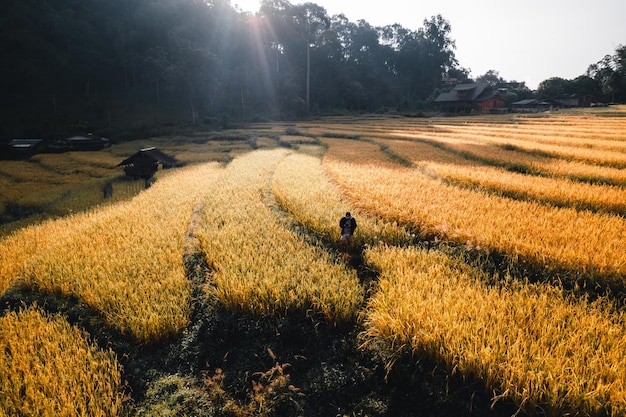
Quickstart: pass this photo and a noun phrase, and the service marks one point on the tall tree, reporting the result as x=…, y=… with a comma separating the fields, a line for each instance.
x=491, y=77
x=610, y=74
x=70, y=60
x=312, y=20
x=439, y=49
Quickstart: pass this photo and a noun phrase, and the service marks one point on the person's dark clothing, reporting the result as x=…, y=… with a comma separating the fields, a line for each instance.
x=347, y=225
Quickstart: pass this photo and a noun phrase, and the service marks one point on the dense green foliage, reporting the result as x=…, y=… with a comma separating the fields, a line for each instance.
x=106, y=65
x=605, y=81
x=114, y=63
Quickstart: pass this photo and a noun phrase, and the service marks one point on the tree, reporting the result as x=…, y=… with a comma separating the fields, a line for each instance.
x=439, y=47
x=610, y=74
x=370, y=64
x=491, y=77
x=423, y=58
x=552, y=87
x=585, y=86
x=312, y=21
x=94, y=60
x=287, y=36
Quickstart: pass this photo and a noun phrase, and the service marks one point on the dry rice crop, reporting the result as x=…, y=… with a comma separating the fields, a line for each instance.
x=260, y=266
x=23, y=171
x=563, y=150
x=49, y=369
x=559, y=192
x=125, y=261
x=301, y=187
x=530, y=343
x=601, y=168
x=87, y=164
x=358, y=152
x=554, y=239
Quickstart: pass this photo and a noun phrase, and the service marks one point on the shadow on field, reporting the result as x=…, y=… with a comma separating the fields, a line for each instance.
x=291, y=366
x=230, y=364
x=227, y=364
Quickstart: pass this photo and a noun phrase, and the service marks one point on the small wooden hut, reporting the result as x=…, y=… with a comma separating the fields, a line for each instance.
x=145, y=162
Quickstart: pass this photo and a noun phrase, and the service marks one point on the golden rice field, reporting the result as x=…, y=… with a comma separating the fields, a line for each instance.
x=529, y=342
x=54, y=185
x=260, y=266
x=564, y=241
x=434, y=198
x=537, y=161
x=125, y=261
x=49, y=368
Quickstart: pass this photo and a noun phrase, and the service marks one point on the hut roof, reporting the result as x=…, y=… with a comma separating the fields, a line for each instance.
x=525, y=102
x=152, y=154
x=25, y=143
x=468, y=92
x=530, y=102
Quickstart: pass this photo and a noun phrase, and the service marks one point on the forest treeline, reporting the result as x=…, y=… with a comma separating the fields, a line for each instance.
x=110, y=64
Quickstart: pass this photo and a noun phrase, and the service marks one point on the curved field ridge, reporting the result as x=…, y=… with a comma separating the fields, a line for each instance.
x=578, y=244
x=125, y=261
x=560, y=192
x=530, y=343
x=260, y=266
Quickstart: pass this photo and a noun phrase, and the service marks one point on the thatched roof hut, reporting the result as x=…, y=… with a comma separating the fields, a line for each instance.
x=145, y=162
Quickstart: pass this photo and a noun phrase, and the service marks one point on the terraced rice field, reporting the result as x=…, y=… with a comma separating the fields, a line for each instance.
x=494, y=247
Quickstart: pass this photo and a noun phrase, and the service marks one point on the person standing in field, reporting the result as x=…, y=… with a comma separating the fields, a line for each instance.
x=347, y=225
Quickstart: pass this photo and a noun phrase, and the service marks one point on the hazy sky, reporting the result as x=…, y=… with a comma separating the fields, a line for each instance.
x=529, y=40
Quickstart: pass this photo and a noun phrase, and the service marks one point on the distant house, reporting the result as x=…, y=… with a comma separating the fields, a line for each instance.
x=474, y=98
x=88, y=142
x=145, y=162
x=21, y=148
x=530, y=106
x=571, y=100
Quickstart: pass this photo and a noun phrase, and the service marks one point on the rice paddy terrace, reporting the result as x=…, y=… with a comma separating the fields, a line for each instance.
x=486, y=277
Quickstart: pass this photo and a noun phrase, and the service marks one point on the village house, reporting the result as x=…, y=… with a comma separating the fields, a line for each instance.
x=23, y=148
x=571, y=100
x=88, y=142
x=530, y=105
x=474, y=98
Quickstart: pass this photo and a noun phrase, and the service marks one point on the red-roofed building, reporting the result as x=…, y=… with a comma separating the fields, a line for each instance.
x=474, y=98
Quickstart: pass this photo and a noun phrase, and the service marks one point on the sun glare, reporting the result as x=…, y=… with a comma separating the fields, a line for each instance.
x=252, y=6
